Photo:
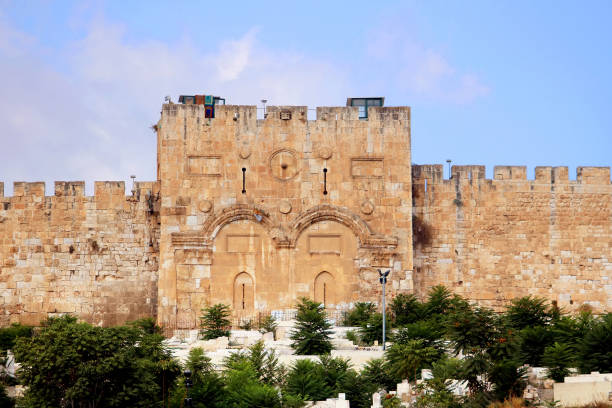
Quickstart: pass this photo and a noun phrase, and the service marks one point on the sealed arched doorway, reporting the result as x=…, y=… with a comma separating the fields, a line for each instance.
x=243, y=294
x=325, y=289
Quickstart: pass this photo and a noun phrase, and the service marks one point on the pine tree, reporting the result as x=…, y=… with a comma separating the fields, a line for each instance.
x=312, y=332
x=215, y=323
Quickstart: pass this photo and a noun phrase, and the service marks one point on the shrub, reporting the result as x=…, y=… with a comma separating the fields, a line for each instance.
x=268, y=324
x=360, y=314
x=352, y=336
x=215, y=323
x=9, y=335
x=312, y=332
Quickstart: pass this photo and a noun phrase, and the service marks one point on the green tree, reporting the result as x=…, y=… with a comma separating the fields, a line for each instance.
x=406, y=309
x=439, y=301
x=378, y=372
x=528, y=312
x=214, y=322
x=359, y=314
x=371, y=330
x=428, y=331
x=306, y=380
x=264, y=362
x=558, y=358
x=207, y=386
x=268, y=324
x=76, y=364
x=406, y=360
x=595, y=350
x=437, y=389
x=533, y=342
x=244, y=390
x=312, y=332
x=8, y=336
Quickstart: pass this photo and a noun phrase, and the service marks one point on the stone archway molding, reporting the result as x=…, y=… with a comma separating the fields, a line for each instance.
x=326, y=212
x=282, y=239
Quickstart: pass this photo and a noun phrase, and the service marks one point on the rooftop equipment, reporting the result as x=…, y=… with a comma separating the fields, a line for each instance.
x=209, y=102
x=364, y=103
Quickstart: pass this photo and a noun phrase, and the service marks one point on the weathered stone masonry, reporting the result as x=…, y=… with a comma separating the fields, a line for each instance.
x=326, y=203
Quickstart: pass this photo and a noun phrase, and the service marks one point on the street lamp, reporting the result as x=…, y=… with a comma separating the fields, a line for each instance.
x=383, y=281
x=450, y=176
x=188, y=385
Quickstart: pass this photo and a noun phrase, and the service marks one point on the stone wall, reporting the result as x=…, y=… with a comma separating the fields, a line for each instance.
x=94, y=257
x=324, y=204
x=493, y=240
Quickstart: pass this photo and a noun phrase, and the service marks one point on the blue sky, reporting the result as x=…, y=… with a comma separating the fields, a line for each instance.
x=489, y=82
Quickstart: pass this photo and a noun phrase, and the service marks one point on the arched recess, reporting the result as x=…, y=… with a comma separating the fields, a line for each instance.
x=330, y=213
x=244, y=294
x=325, y=289
x=238, y=212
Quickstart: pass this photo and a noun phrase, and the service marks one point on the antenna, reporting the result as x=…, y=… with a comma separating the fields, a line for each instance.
x=133, y=177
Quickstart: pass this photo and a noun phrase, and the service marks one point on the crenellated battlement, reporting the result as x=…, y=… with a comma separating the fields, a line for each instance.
x=288, y=115
x=434, y=173
x=102, y=189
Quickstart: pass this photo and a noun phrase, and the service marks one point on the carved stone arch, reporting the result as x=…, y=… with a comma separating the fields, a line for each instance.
x=329, y=213
x=325, y=288
x=243, y=294
x=238, y=212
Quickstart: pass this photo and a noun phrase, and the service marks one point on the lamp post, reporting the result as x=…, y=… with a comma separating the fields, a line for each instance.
x=383, y=281
x=450, y=176
x=188, y=385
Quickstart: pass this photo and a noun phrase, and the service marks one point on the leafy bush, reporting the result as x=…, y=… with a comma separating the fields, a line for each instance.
x=312, y=332
x=360, y=314
x=215, y=323
x=268, y=324
x=9, y=335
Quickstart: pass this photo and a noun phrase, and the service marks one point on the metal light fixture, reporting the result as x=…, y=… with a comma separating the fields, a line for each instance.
x=383, y=282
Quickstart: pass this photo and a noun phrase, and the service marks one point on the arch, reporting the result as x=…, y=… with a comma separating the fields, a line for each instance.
x=330, y=213
x=325, y=289
x=238, y=212
x=244, y=294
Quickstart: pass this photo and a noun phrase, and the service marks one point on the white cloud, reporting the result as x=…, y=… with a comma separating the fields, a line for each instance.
x=89, y=119
x=419, y=70
x=92, y=121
